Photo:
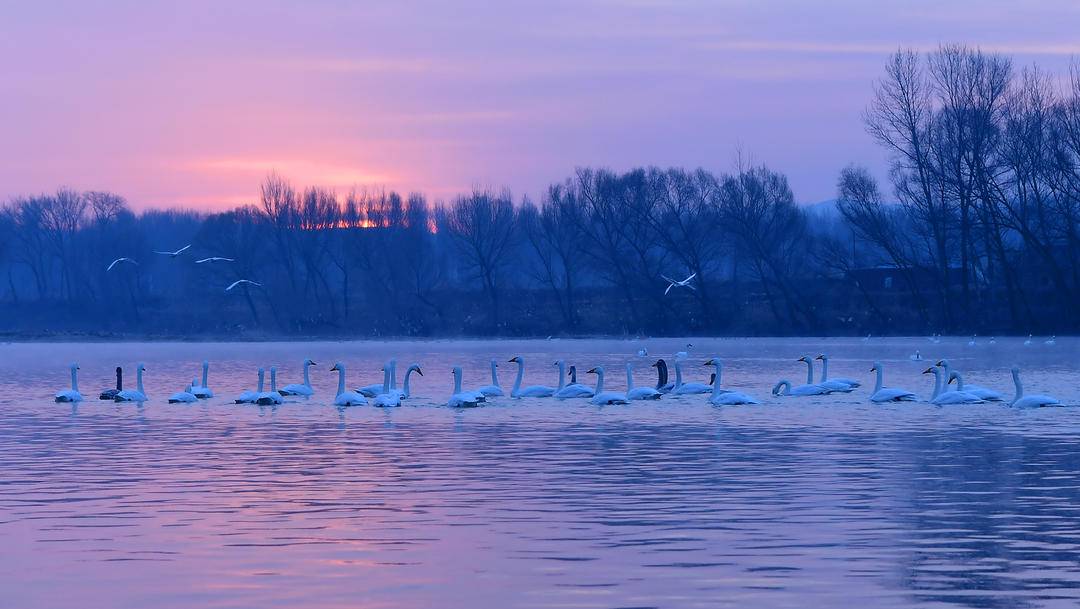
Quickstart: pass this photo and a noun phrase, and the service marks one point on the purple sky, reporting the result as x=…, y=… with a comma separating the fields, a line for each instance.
x=192, y=103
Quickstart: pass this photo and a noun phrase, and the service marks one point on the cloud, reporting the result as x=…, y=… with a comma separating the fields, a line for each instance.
x=302, y=171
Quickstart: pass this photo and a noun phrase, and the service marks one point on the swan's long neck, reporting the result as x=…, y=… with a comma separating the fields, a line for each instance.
x=273, y=379
x=562, y=375
x=520, y=375
x=880, y=379
x=937, y=384
x=959, y=381
x=457, y=381
x=629, y=378
x=1019, y=386
x=340, y=380
x=494, y=373
x=716, y=380
x=393, y=374
x=138, y=380
x=781, y=387
x=599, y=382
x=824, y=369
x=205, y=373
x=809, y=371
x=661, y=376
x=405, y=385
x=573, y=375
x=386, y=384
x=307, y=380
x=74, y=379
x=262, y=376
x=119, y=379
x=678, y=374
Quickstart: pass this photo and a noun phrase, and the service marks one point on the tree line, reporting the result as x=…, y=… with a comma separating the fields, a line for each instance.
x=976, y=231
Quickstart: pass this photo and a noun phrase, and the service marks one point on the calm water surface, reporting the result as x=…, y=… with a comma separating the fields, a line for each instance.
x=798, y=502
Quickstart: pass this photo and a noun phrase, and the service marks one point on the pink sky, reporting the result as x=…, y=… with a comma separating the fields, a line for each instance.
x=194, y=103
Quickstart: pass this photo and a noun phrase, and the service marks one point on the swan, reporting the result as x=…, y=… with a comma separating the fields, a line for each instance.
x=887, y=394
x=993, y=340
x=120, y=260
x=203, y=391
x=374, y=389
x=725, y=397
x=638, y=393
x=980, y=392
x=388, y=398
x=466, y=399
x=71, y=395
x=643, y=352
x=214, y=259
x=346, y=398
x=272, y=397
x=662, y=384
x=405, y=391
x=1027, y=343
x=971, y=398
x=187, y=396
x=174, y=254
x=672, y=283
x=248, y=397
x=493, y=390
x=947, y=398
x=601, y=397
x=972, y=342
x=825, y=373
x=784, y=387
x=684, y=354
x=915, y=357
x=833, y=385
x=1029, y=401
x=532, y=391
x=574, y=389
x=138, y=395
x=303, y=389
x=1051, y=341
x=110, y=394
x=682, y=388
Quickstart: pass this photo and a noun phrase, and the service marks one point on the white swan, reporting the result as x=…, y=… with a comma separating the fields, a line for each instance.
x=110, y=394
x=574, y=389
x=374, y=389
x=175, y=253
x=465, y=399
x=388, y=397
x=691, y=388
x=980, y=392
x=187, y=396
x=784, y=387
x=71, y=395
x=947, y=398
x=970, y=398
x=643, y=352
x=662, y=383
x=493, y=390
x=118, y=261
x=203, y=391
x=1027, y=343
x=1030, y=401
x=248, y=397
x=638, y=393
x=532, y=391
x=1051, y=341
x=272, y=397
x=725, y=397
x=302, y=389
x=346, y=398
x=405, y=391
x=833, y=385
x=825, y=373
x=138, y=395
x=887, y=394
x=684, y=354
x=601, y=397
x=973, y=342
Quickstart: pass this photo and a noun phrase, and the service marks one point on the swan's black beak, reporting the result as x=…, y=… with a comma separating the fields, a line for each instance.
x=511, y=361
x=419, y=371
x=822, y=356
x=592, y=370
x=928, y=371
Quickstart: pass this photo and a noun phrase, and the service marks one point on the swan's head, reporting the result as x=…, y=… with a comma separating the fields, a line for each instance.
x=596, y=370
x=273, y=369
x=416, y=368
x=941, y=362
x=74, y=367
x=876, y=367
x=660, y=363
x=141, y=367
x=309, y=362
x=206, y=363
x=559, y=362
x=822, y=357
x=119, y=370
x=689, y=346
x=456, y=371
x=804, y=359
x=572, y=371
x=1015, y=371
x=712, y=362
x=514, y=360
x=336, y=367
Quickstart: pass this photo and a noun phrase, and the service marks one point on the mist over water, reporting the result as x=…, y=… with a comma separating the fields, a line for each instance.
x=537, y=503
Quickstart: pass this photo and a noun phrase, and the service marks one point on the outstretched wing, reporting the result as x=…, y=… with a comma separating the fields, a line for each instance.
x=689, y=278
x=670, y=285
x=181, y=249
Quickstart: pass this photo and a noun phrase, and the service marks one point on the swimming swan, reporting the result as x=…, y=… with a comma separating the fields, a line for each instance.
x=947, y=398
x=887, y=394
x=662, y=383
x=272, y=397
x=574, y=389
x=466, y=399
x=71, y=395
x=493, y=390
x=825, y=373
x=248, y=397
x=724, y=397
x=110, y=394
x=203, y=391
x=834, y=385
x=374, y=389
x=784, y=387
x=138, y=395
x=1030, y=401
x=638, y=393
x=187, y=396
x=601, y=397
x=532, y=391
x=346, y=398
x=980, y=392
x=691, y=388
x=303, y=389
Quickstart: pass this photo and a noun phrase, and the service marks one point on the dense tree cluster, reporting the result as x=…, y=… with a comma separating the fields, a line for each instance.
x=984, y=236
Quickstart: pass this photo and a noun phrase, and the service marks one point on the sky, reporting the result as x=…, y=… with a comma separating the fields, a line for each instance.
x=193, y=103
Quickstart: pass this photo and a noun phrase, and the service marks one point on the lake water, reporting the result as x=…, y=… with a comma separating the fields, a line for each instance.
x=798, y=502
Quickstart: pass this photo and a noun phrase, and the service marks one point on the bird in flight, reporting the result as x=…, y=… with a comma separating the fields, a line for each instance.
x=118, y=261
x=214, y=259
x=239, y=281
x=685, y=283
x=174, y=254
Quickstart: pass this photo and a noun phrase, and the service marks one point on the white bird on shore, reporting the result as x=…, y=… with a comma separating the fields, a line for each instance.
x=174, y=254
x=120, y=260
x=214, y=259
x=245, y=281
x=685, y=283
x=1030, y=401
x=71, y=395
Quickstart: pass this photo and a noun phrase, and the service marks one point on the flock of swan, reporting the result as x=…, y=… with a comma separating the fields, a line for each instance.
x=388, y=394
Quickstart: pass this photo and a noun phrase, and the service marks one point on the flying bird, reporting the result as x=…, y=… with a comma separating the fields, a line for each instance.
x=685, y=283
x=174, y=254
x=118, y=261
x=239, y=281
x=214, y=259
